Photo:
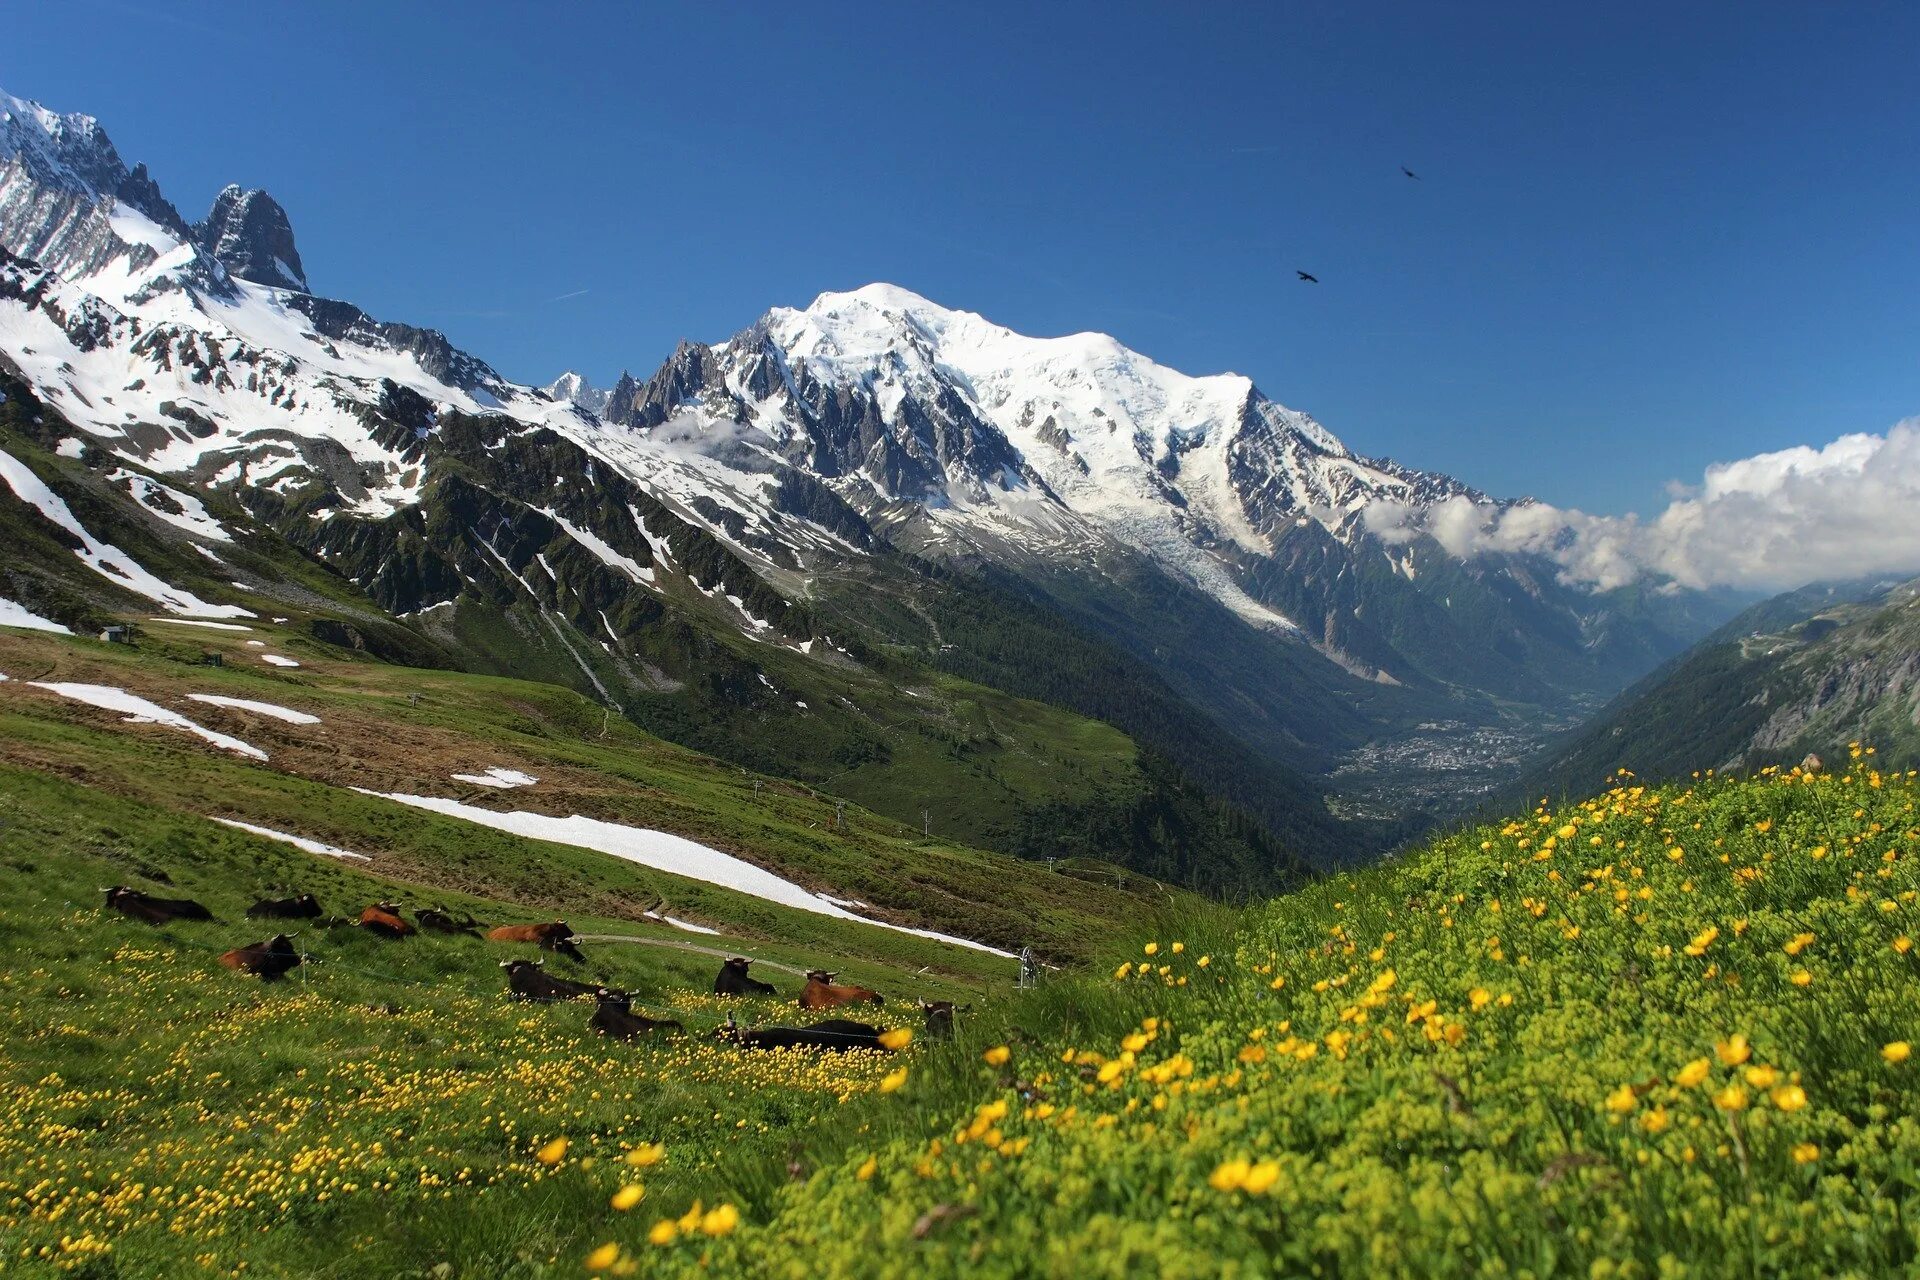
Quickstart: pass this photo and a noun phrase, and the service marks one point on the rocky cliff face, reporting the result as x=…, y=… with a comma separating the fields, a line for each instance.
x=248, y=233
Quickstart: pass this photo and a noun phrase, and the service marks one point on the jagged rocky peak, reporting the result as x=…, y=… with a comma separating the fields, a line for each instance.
x=571, y=387
x=687, y=373
x=70, y=152
x=248, y=233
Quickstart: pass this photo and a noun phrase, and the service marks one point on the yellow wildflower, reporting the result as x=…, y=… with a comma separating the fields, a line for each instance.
x=552, y=1153
x=1898, y=1051
x=1260, y=1177
x=998, y=1055
x=628, y=1196
x=893, y=1080
x=1734, y=1050
x=1805, y=1153
x=897, y=1038
x=1230, y=1175
x=867, y=1168
x=719, y=1221
x=1789, y=1097
x=603, y=1257
x=665, y=1231
x=646, y=1155
x=1693, y=1073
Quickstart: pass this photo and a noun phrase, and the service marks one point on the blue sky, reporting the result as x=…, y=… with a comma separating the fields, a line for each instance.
x=1645, y=238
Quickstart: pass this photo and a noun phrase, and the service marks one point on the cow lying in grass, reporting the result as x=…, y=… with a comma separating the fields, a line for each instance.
x=264, y=960
x=821, y=992
x=554, y=936
x=614, y=1017
x=732, y=980
x=302, y=907
x=384, y=920
x=152, y=910
x=440, y=920
x=526, y=980
x=835, y=1035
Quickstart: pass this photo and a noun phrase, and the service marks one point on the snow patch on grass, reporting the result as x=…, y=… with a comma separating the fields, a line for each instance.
x=298, y=842
x=258, y=708
x=504, y=779
x=140, y=711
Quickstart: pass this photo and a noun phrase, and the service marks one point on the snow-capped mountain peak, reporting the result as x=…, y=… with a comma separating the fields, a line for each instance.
x=69, y=151
x=573, y=388
x=1114, y=434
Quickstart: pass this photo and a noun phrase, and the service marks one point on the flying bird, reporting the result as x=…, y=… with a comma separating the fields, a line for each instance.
x=1410, y=173
x=1309, y=279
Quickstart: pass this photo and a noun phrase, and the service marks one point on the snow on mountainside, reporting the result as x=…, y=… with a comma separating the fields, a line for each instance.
x=817, y=434
x=1042, y=446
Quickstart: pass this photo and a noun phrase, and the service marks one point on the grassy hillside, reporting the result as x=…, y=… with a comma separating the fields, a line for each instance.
x=1661, y=1032
x=395, y=730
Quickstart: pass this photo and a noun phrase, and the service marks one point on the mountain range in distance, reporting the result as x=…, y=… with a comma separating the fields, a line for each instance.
x=1045, y=591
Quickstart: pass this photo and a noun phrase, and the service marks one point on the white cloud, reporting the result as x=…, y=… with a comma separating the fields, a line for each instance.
x=1772, y=521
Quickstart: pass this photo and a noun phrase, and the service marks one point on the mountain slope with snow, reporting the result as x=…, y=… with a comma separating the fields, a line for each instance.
x=829, y=488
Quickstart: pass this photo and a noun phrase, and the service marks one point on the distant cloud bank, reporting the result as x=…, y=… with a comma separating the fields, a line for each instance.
x=1772, y=521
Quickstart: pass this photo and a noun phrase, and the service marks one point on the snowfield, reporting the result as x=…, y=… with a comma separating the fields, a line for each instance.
x=662, y=852
x=15, y=615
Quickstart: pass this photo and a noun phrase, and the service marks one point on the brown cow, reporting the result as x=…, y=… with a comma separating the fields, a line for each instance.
x=554, y=936
x=264, y=960
x=152, y=910
x=821, y=993
x=384, y=919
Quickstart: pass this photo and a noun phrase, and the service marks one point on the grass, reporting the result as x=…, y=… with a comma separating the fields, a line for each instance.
x=1659, y=1032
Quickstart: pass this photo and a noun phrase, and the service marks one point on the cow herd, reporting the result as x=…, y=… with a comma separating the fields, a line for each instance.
x=613, y=1014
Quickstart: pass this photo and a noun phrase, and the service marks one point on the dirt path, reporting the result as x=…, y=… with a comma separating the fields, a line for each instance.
x=676, y=945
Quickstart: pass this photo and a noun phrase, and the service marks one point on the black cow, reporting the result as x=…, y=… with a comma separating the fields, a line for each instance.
x=265, y=960
x=614, y=1016
x=439, y=920
x=835, y=1035
x=303, y=907
x=526, y=980
x=733, y=980
x=152, y=910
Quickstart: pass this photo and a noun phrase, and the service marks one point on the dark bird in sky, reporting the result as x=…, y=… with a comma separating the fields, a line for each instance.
x=1410, y=173
x=1309, y=279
